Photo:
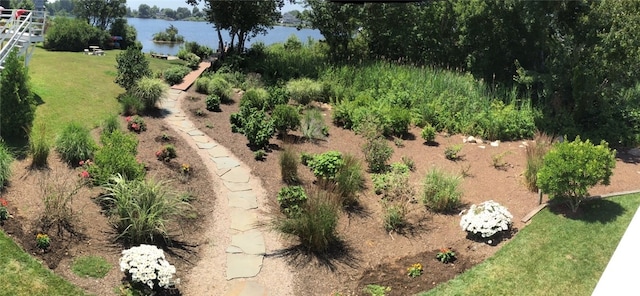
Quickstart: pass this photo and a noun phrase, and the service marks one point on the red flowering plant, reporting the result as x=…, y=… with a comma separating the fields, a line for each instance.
x=167, y=153
x=4, y=211
x=136, y=124
x=84, y=165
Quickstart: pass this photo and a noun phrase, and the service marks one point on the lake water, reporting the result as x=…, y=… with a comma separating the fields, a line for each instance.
x=205, y=34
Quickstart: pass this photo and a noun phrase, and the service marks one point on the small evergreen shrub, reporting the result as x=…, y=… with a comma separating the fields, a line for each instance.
x=74, y=144
x=6, y=159
x=396, y=122
x=149, y=91
x=313, y=126
x=304, y=90
x=285, y=118
x=428, y=133
x=277, y=96
x=571, y=168
x=174, y=74
x=326, y=165
x=213, y=103
x=289, y=167
x=291, y=200
x=441, y=191
x=376, y=153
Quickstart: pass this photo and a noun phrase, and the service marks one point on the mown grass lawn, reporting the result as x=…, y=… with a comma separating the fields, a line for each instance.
x=72, y=87
x=553, y=255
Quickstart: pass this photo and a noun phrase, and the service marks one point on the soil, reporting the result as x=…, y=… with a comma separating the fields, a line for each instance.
x=368, y=254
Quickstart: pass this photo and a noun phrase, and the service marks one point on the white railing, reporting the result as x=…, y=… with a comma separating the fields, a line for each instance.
x=21, y=29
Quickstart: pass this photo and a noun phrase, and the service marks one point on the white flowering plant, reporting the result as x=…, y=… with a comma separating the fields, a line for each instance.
x=486, y=219
x=146, y=264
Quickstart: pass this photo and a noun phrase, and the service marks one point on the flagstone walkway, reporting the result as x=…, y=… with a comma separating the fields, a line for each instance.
x=242, y=243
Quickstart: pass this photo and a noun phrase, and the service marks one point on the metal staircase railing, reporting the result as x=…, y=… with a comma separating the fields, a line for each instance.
x=20, y=29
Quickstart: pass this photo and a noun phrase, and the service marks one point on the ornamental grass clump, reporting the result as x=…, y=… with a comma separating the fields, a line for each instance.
x=75, y=143
x=486, y=219
x=146, y=265
x=6, y=159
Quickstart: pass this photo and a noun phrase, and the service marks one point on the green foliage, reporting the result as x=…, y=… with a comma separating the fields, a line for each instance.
x=258, y=129
x=90, y=266
x=376, y=290
x=408, y=161
x=149, y=91
x=193, y=61
x=304, y=90
x=117, y=156
x=220, y=87
x=175, y=74
x=376, y=153
x=131, y=105
x=428, y=133
x=17, y=107
x=446, y=255
x=140, y=209
x=316, y=226
x=305, y=158
x=74, y=144
x=167, y=153
x=201, y=51
x=441, y=192
x=255, y=98
x=498, y=162
x=213, y=103
x=259, y=154
x=571, y=168
x=289, y=166
x=110, y=124
x=285, y=118
x=535, y=153
x=132, y=66
x=452, y=152
x=6, y=159
x=170, y=35
x=71, y=34
x=39, y=147
x=313, y=126
x=326, y=165
x=393, y=185
x=349, y=180
x=394, y=217
x=292, y=200
x=202, y=84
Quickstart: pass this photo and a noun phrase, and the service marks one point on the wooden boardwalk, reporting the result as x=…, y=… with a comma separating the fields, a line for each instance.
x=188, y=80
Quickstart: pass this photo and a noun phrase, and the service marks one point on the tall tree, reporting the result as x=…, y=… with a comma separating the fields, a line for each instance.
x=17, y=104
x=144, y=11
x=100, y=13
x=338, y=23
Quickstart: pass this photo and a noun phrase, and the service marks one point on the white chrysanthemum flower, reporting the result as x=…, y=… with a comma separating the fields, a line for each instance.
x=147, y=264
x=486, y=219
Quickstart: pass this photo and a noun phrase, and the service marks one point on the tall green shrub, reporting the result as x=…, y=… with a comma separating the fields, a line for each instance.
x=377, y=152
x=326, y=165
x=132, y=65
x=72, y=34
x=441, y=192
x=17, y=104
x=304, y=90
x=571, y=168
x=289, y=166
x=285, y=118
x=149, y=91
x=74, y=144
x=220, y=87
x=259, y=129
x=116, y=156
x=39, y=147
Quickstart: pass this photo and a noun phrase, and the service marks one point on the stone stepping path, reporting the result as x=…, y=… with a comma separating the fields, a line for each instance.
x=246, y=251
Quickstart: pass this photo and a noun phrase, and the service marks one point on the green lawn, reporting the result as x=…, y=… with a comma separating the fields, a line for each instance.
x=553, y=255
x=71, y=86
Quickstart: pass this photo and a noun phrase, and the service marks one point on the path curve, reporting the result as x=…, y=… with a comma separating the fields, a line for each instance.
x=233, y=260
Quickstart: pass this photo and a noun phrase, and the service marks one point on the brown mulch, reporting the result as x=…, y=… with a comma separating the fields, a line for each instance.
x=371, y=255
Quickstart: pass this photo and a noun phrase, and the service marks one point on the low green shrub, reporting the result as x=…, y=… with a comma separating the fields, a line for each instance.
x=571, y=168
x=116, y=156
x=304, y=90
x=441, y=192
x=292, y=200
x=202, y=84
x=393, y=185
x=259, y=129
x=285, y=118
x=277, y=96
x=452, y=152
x=74, y=144
x=326, y=165
x=175, y=74
x=260, y=155
x=289, y=166
x=140, y=209
x=396, y=121
x=313, y=126
x=39, y=147
x=193, y=61
x=428, y=133
x=213, y=103
x=305, y=158
x=408, y=161
x=6, y=159
x=149, y=91
x=220, y=87
x=131, y=105
x=376, y=153
x=110, y=124
x=255, y=98
x=167, y=153
x=349, y=180
x=394, y=217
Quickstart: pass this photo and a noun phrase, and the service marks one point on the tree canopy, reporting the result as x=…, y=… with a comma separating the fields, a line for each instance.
x=100, y=13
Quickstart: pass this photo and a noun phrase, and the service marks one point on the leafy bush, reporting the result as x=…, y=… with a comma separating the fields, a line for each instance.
x=220, y=87
x=453, y=152
x=305, y=158
x=571, y=168
x=110, y=124
x=441, y=191
x=136, y=124
x=428, y=133
x=304, y=90
x=277, y=96
x=141, y=209
x=74, y=144
x=255, y=98
x=535, y=153
x=259, y=154
x=289, y=166
x=394, y=217
x=202, y=84
x=72, y=34
x=193, y=61
x=326, y=165
x=201, y=51
x=6, y=159
x=376, y=153
x=132, y=66
x=213, y=103
x=174, y=74
x=396, y=121
x=116, y=156
x=486, y=219
x=313, y=126
x=291, y=200
x=285, y=118
x=258, y=128
x=131, y=105
x=167, y=153
x=316, y=226
x=39, y=147
x=150, y=91
x=393, y=185
x=349, y=180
